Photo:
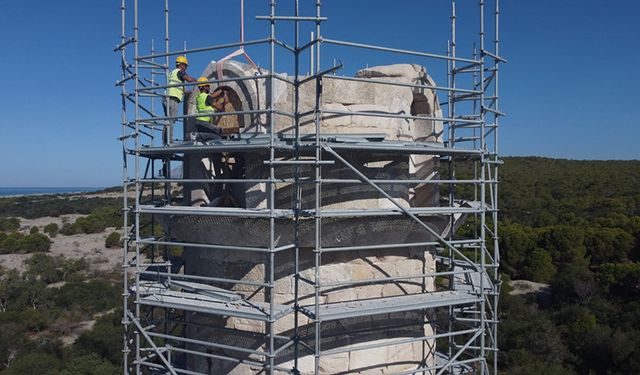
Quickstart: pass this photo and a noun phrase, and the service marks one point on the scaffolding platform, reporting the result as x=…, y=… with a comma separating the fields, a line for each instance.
x=148, y=288
x=350, y=142
x=385, y=305
x=215, y=306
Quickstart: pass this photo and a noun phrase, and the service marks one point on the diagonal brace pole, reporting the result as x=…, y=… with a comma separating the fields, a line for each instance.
x=406, y=212
x=165, y=362
x=452, y=359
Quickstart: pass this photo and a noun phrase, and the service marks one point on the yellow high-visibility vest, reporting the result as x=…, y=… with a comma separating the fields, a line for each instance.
x=176, y=92
x=202, y=107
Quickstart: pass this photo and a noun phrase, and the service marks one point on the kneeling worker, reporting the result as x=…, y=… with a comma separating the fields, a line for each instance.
x=207, y=102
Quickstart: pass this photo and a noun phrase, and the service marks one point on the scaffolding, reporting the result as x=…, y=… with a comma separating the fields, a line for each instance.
x=158, y=295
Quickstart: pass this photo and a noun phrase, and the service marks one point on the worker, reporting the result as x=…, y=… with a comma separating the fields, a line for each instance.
x=175, y=95
x=207, y=102
x=205, y=130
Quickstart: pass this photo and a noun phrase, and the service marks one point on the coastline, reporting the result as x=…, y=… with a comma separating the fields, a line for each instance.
x=48, y=191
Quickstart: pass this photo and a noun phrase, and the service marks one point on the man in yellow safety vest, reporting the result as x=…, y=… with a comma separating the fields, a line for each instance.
x=207, y=102
x=175, y=94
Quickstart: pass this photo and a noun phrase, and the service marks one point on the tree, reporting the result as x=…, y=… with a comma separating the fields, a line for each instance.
x=113, y=240
x=575, y=283
x=51, y=229
x=608, y=245
x=539, y=266
x=12, y=342
x=9, y=223
x=105, y=339
x=90, y=364
x=36, y=242
x=37, y=363
x=515, y=243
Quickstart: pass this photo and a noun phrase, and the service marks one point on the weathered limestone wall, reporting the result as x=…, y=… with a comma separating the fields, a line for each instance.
x=336, y=267
x=345, y=96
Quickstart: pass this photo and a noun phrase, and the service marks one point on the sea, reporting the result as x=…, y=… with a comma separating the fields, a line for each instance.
x=10, y=191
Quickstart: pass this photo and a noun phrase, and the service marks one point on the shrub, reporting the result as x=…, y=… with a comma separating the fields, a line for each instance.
x=51, y=229
x=104, y=339
x=90, y=364
x=36, y=242
x=52, y=269
x=90, y=297
x=91, y=224
x=11, y=243
x=34, y=363
x=113, y=240
x=34, y=230
x=69, y=229
x=9, y=223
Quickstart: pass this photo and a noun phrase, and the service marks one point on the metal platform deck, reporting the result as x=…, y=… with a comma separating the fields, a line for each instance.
x=352, y=309
x=211, y=305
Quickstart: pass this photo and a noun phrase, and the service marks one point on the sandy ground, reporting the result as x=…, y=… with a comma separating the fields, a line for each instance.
x=88, y=246
x=526, y=286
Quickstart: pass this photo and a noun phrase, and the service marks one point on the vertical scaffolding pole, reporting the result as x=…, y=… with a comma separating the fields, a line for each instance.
x=318, y=196
x=272, y=125
x=125, y=204
x=451, y=99
x=496, y=249
x=137, y=173
x=298, y=192
x=483, y=155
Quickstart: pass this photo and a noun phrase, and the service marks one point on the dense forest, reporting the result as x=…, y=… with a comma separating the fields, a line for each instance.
x=572, y=225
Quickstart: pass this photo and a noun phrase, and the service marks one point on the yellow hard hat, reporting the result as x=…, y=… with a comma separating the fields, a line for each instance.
x=182, y=60
x=203, y=79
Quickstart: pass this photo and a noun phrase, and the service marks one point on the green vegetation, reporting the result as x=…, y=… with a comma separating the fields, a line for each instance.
x=112, y=240
x=52, y=229
x=9, y=224
x=576, y=226
x=95, y=222
x=46, y=302
x=31, y=207
x=16, y=242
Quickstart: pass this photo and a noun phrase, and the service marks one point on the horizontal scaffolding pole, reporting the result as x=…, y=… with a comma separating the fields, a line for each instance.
x=310, y=181
x=385, y=343
x=204, y=278
x=392, y=246
x=404, y=117
x=290, y=213
x=402, y=84
x=208, y=343
x=241, y=145
x=215, y=114
x=204, y=49
x=396, y=50
x=208, y=82
x=216, y=247
x=392, y=278
x=291, y=18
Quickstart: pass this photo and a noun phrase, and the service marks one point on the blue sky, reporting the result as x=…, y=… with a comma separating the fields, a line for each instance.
x=570, y=88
